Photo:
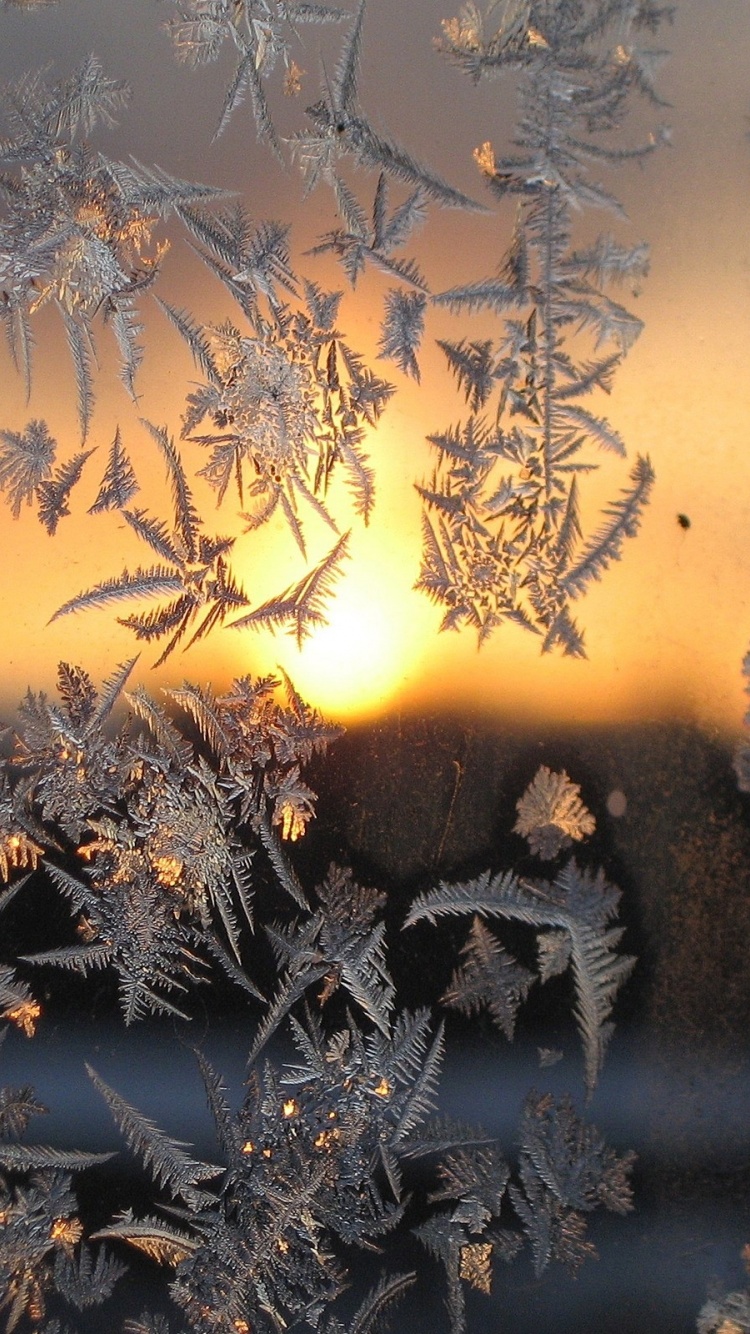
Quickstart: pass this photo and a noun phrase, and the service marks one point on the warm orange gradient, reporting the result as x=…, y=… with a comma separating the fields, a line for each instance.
x=666, y=629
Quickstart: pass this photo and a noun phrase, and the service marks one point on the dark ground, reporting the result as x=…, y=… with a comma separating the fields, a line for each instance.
x=413, y=800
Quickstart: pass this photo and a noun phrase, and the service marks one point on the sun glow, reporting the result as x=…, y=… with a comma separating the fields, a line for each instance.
x=365, y=654
x=667, y=627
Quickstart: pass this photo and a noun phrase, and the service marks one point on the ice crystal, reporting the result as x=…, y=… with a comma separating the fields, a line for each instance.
x=572, y=914
x=193, y=571
x=403, y=327
x=42, y=1251
x=19, y=1006
x=725, y=1315
x=26, y=459
x=260, y=745
x=118, y=485
x=311, y=1164
x=301, y=608
x=488, y=977
x=291, y=402
x=502, y=534
x=76, y=229
x=566, y=1170
x=18, y=850
x=551, y=814
x=340, y=945
x=260, y=32
x=314, y=1164
x=340, y=129
x=474, y=1265
x=373, y=241
x=53, y=493
x=160, y=831
x=172, y=833
x=64, y=766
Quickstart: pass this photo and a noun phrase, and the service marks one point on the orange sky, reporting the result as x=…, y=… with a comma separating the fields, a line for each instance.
x=666, y=629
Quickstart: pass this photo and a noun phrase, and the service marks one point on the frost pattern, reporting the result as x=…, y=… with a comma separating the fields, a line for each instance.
x=551, y=814
x=502, y=533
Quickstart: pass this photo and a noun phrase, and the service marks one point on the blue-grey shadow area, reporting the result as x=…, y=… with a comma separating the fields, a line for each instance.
x=655, y=1266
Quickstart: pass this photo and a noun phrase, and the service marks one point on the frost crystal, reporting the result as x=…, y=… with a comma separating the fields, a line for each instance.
x=502, y=532
x=551, y=814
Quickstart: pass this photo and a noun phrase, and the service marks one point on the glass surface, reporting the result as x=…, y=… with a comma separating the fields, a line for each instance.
x=442, y=737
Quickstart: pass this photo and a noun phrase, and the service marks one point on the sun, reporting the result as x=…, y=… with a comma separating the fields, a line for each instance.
x=365, y=656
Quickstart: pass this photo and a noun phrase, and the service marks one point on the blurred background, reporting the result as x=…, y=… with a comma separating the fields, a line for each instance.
x=667, y=627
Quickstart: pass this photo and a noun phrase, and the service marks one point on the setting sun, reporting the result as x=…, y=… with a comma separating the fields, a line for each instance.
x=362, y=659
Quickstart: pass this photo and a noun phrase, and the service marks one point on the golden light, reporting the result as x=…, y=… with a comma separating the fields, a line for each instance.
x=292, y=822
x=363, y=658
x=350, y=666
x=168, y=871
x=667, y=627
x=383, y=1088
x=24, y=1016
x=66, y=1231
x=18, y=850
